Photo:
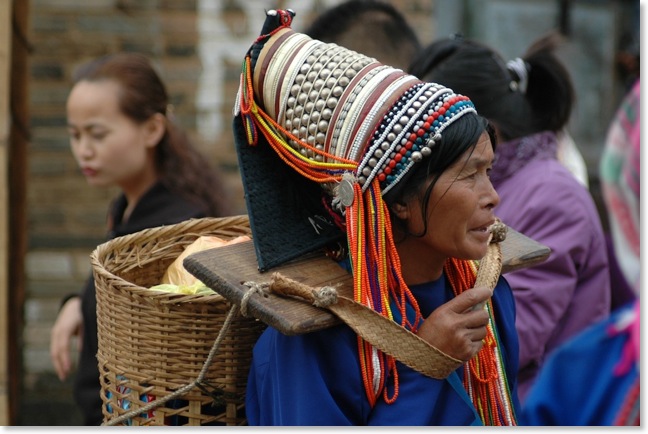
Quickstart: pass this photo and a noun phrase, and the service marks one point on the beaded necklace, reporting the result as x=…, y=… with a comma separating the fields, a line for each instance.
x=484, y=375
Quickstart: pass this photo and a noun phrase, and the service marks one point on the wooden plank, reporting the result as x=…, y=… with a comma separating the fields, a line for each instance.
x=520, y=251
x=227, y=269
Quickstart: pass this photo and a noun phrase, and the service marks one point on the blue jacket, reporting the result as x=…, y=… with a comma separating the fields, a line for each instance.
x=581, y=383
x=315, y=379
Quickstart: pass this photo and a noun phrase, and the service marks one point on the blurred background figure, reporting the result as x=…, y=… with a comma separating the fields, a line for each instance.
x=530, y=100
x=122, y=134
x=619, y=173
x=594, y=378
x=374, y=28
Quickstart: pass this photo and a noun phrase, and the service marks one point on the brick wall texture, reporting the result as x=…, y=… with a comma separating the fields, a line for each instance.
x=197, y=46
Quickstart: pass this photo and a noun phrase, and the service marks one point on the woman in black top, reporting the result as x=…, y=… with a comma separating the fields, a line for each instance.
x=122, y=134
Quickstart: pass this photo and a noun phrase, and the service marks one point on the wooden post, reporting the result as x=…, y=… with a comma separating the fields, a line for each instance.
x=5, y=56
x=17, y=15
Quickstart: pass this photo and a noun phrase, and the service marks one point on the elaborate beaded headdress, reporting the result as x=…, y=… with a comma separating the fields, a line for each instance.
x=337, y=117
x=322, y=133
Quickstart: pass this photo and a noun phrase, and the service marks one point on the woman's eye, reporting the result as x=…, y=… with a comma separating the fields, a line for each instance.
x=98, y=136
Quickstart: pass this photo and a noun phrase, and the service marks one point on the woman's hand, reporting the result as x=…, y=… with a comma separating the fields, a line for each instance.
x=456, y=328
x=69, y=323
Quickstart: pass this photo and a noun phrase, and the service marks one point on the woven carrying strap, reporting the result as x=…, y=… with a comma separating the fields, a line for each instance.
x=385, y=334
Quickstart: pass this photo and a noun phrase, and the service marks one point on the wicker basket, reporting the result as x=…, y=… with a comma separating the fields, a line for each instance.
x=152, y=343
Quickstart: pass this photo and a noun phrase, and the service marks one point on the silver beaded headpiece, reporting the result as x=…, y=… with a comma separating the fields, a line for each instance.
x=350, y=106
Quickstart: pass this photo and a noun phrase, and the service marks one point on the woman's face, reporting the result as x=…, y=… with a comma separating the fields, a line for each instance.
x=460, y=210
x=109, y=147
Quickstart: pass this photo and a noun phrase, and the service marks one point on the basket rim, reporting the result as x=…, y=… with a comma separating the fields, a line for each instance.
x=104, y=249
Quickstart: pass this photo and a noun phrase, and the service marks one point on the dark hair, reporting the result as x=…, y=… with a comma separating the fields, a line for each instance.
x=479, y=72
x=182, y=168
x=459, y=137
x=373, y=28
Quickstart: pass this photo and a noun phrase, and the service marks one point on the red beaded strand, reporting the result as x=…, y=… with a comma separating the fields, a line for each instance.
x=481, y=373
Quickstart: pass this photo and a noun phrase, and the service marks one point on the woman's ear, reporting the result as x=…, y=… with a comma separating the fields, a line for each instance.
x=400, y=210
x=155, y=127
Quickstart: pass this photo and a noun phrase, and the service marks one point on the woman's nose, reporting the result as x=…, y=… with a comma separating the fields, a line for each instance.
x=492, y=196
x=84, y=148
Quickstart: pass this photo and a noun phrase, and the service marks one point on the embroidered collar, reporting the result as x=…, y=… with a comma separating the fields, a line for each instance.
x=513, y=155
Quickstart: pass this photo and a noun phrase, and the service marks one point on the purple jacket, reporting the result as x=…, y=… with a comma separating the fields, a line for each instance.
x=571, y=289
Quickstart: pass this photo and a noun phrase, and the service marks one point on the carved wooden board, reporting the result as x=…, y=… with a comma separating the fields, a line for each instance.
x=226, y=269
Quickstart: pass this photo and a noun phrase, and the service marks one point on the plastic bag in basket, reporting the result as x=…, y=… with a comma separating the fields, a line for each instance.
x=178, y=280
